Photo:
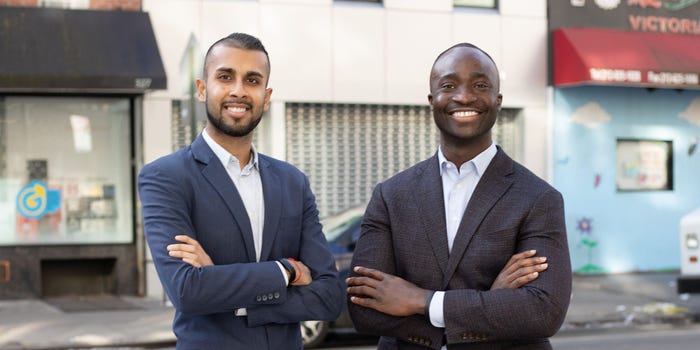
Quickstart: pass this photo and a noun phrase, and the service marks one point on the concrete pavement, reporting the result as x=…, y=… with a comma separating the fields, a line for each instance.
x=599, y=303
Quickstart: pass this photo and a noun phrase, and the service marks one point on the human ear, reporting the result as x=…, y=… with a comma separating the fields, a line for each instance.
x=201, y=90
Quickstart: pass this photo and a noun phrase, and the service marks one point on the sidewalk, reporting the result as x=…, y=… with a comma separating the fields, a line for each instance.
x=628, y=300
x=598, y=303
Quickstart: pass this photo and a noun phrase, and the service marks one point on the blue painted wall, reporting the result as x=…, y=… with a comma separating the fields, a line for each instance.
x=629, y=231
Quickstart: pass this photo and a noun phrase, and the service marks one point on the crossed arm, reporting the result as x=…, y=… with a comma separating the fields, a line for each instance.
x=517, y=305
x=378, y=290
x=191, y=252
x=395, y=296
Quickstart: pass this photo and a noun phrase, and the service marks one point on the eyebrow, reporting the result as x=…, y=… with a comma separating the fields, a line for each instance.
x=232, y=71
x=473, y=75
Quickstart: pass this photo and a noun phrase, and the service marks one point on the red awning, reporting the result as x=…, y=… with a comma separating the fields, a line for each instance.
x=595, y=56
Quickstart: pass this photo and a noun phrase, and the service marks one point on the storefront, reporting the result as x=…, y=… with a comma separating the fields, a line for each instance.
x=626, y=121
x=71, y=91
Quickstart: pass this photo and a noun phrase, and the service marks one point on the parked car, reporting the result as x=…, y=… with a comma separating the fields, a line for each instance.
x=342, y=231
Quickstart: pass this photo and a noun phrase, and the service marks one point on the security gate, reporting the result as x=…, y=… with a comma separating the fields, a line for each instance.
x=346, y=149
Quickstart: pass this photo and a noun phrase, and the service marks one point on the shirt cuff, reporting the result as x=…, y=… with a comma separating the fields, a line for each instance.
x=437, y=316
x=284, y=273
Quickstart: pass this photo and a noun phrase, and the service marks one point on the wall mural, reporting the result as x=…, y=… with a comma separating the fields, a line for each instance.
x=589, y=243
x=692, y=113
x=590, y=115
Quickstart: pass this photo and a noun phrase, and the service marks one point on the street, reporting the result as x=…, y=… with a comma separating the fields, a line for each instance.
x=653, y=337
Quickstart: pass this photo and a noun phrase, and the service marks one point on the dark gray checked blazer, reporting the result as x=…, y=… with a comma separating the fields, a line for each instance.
x=511, y=210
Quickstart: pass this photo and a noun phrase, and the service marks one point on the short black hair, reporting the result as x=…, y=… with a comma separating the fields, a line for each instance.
x=469, y=45
x=239, y=40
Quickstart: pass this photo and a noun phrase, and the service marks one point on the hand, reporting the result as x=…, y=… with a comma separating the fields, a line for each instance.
x=521, y=269
x=302, y=269
x=190, y=252
x=386, y=293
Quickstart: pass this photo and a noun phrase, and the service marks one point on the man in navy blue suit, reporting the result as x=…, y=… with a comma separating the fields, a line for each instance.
x=234, y=234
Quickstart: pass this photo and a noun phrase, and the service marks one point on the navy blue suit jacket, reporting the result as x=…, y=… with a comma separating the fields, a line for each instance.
x=189, y=192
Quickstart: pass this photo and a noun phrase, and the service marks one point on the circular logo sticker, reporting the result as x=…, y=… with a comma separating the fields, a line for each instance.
x=36, y=200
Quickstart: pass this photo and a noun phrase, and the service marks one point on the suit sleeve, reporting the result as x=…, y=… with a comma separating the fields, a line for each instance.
x=323, y=298
x=535, y=310
x=166, y=200
x=375, y=250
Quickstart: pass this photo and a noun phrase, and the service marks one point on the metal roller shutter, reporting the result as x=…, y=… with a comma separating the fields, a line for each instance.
x=346, y=149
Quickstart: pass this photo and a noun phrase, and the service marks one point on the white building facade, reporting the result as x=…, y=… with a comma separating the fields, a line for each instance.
x=350, y=82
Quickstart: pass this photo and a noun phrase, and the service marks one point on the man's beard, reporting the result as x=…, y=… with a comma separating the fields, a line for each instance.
x=230, y=130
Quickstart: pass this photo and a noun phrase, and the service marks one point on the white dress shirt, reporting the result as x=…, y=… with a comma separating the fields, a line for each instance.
x=458, y=187
x=249, y=186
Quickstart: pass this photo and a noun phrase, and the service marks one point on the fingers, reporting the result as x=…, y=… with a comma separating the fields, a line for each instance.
x=525, y=275
x=190, y=244
x=372, y=273
x=362, y=291
x=187, y=257
x=304, y=273
x=182, y=247
x=192, y=262
x=187, y=240
x=519, y=261
x=361, y=281
x=190, y=251
x=523, y=280
x=366, y=302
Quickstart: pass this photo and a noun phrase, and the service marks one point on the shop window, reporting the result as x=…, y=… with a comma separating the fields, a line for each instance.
x=491, y=4
x=644, y=165
x=65, y=170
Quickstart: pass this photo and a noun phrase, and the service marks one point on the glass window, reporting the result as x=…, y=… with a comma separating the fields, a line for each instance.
x=476, y=3
x=65, y=170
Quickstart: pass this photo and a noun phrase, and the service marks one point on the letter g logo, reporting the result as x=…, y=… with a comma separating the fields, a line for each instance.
x=36, y=200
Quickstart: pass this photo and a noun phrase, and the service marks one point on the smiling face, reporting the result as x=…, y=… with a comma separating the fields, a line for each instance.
x=234, y=89
x=465, y=98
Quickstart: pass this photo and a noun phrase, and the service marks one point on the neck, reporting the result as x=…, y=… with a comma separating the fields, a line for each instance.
x=239, y=147
x=459, y=154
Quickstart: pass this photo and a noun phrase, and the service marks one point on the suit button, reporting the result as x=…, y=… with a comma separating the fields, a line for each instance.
x=277, y=295
x=258, y=298
x=264, y=297
x=270, y=296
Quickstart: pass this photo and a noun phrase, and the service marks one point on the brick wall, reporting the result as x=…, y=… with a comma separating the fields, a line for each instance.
x=127, y=5
x=23, y=3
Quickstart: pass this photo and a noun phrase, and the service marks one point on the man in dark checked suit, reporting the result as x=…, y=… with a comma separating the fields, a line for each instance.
x=435, y=236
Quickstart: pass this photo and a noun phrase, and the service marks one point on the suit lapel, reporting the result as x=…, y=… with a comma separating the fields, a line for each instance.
x=491, y=187
x=273, y=205
x=217, y=176
x=430, y=201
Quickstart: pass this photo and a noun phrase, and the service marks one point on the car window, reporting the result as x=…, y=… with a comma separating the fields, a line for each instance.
x=335, y=225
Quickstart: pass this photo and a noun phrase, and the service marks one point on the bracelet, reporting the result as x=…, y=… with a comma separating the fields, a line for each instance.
x=427, y=304
x=297, y=270
x=291, y=270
